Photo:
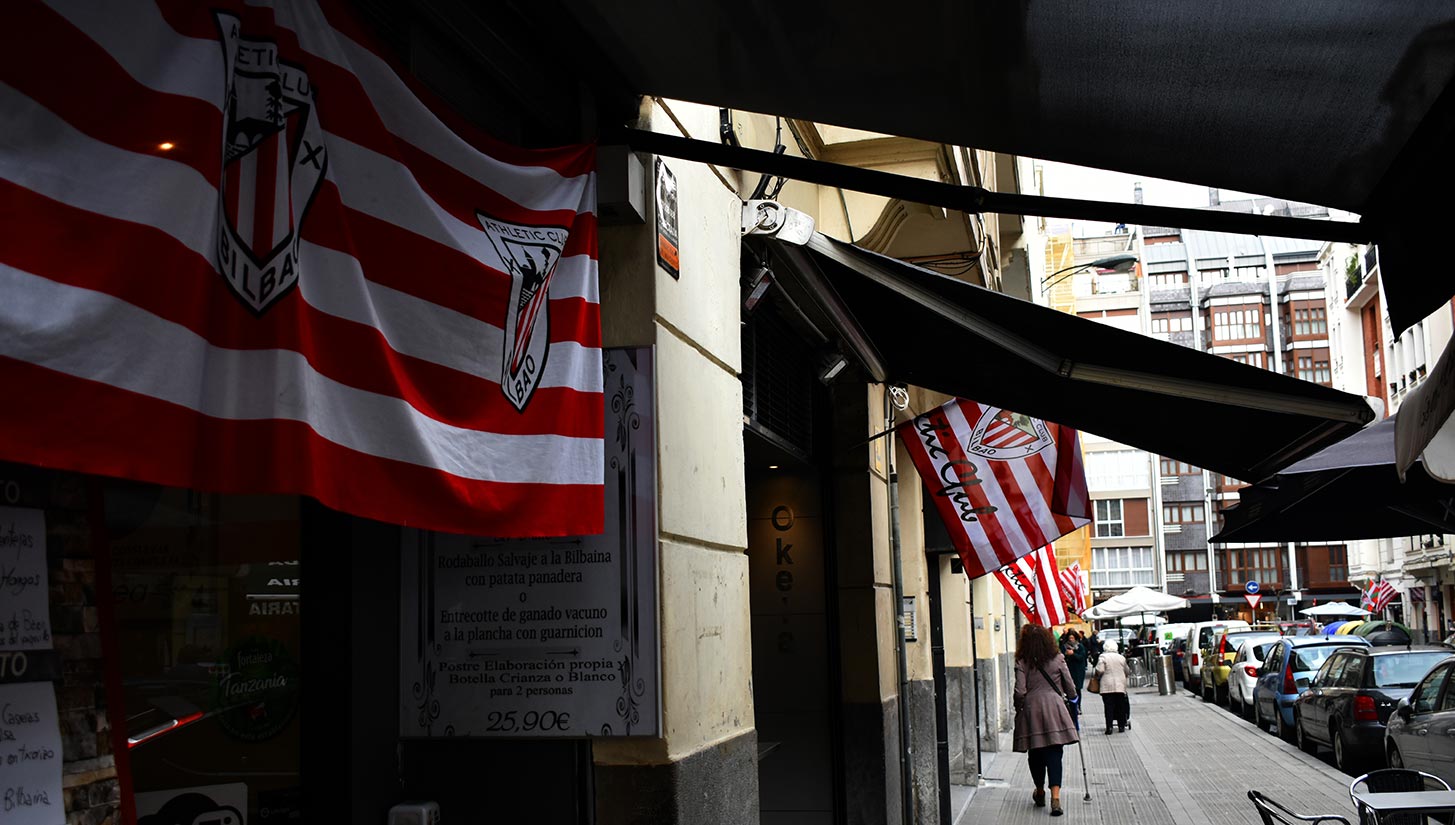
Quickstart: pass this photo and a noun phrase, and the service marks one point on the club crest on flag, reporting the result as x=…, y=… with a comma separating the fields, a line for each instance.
x=273, y=160
x=1001, y=435
x=529, y=254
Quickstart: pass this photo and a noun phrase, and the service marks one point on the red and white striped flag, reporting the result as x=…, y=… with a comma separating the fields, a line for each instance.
x=1381, y=593
x=1073, y=587
x=239, y=253
x=1035, y=585
x=1004, y=484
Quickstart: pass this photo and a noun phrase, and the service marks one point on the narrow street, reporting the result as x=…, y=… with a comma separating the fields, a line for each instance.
x=1182, y=762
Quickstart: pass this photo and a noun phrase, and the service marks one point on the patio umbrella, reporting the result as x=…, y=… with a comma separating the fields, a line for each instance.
x=1350, y=490
x=1332, y=627
x=1348, y=628
x=1381, y=626
x=1333, y=609
x=1134, y=602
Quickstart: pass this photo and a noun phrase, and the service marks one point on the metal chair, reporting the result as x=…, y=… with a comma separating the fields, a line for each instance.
x=1275, y=814
x=1396, y=780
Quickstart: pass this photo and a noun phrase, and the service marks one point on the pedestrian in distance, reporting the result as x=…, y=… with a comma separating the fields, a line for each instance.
x=1112, y=670
x=1074, y=649
x=1043, y=723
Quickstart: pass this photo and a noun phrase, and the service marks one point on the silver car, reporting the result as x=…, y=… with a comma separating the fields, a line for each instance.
x=1243, y=674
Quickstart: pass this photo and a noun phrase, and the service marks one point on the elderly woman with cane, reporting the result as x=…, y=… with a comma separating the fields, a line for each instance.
x=1043, y=724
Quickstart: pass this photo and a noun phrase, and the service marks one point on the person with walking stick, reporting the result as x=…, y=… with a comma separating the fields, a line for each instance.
x=1043, y=723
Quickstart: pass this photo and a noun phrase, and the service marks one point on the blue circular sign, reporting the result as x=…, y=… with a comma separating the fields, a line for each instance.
x=1251, y=587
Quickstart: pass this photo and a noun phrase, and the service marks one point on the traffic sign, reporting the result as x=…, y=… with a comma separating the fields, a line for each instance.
x=1251, y=587
x=1253, y=599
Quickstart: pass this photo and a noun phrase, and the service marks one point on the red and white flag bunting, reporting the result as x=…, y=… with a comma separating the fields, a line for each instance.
x=1035, y=585
x=1004, y=484
x=1073, y=587
x=239, y=253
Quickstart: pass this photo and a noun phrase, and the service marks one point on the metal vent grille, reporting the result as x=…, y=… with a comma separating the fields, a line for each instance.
x=778, y=379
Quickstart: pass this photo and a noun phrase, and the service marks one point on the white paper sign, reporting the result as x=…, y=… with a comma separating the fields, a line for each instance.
x=30, y=756
x=25, y=618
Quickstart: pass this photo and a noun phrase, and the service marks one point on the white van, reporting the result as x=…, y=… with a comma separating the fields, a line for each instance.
x=1200, y=637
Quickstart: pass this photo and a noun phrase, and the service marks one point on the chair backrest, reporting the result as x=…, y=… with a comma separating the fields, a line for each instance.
x=1396, y=780
x=1275, y=814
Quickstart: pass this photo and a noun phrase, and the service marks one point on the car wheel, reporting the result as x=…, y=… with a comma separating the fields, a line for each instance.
x=1343, y=760
x=1395, y=760
x=1279, y=727
x=1305, y=744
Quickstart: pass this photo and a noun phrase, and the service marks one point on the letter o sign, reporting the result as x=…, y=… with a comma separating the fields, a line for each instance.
x=782, y=518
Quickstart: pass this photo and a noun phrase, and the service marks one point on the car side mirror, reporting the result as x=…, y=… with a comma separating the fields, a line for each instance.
x=1403, y=710
x=1301, y=684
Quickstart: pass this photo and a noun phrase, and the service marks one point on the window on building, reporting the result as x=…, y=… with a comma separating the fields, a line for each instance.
x=1121, y=566
x=1109, y=522
x=1117, y=470
x=1206, y=275
x=1322, y=565
x=1166, y=280
x=1187, y=561
x=1255, y=359
x=1237, y=324
x=1182, y=514
x=1173, y=467
x=1248, y=273
x=1166, y=322
x=1309, y=321
x=1260, y=564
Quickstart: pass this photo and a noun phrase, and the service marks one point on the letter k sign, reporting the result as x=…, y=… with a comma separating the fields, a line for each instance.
x=783, y=551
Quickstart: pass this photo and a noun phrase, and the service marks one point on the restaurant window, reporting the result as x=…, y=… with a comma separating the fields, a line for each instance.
x=1187, y=561
x=1182, y=514
x=1121, y=566
x=1237, y=325
x=208, y=621
x=1173, y=467
x=1109, y=518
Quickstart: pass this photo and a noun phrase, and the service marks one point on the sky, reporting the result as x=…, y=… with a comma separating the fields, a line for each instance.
x=1062, y=180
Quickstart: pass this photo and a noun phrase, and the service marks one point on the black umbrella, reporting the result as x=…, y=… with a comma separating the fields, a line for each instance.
x=1346, y=491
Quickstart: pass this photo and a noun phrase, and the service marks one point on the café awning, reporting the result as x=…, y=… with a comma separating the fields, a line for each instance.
x=1344, y=103
x=901, y=323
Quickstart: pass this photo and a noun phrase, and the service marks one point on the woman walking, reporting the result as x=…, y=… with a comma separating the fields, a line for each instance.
x=1112, y=669
x=1073, y=647
x=1042, y=722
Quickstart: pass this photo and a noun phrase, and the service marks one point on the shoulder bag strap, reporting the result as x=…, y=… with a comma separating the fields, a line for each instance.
x=1050, y=682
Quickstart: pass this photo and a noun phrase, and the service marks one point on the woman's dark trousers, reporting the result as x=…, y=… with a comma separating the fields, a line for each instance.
x=1044, y=761
x=1118, y=707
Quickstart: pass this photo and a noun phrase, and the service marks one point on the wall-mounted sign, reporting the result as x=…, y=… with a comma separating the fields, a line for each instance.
x=667, y=252
x=209, y=804
x=30, y=756
x=25, y=617
x=545, y=637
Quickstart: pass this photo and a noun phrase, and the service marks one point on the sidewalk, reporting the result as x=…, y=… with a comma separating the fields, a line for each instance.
x=1182, y=762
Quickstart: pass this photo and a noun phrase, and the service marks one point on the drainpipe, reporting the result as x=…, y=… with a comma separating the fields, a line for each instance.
x=906, y=750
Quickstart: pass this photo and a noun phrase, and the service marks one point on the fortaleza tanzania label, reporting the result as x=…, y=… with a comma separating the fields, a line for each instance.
x=256, y=693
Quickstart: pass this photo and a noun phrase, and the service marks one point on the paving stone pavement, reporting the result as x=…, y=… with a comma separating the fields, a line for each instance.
x=1182, y=762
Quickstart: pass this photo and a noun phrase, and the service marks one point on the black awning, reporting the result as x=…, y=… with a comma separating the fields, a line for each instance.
x=907, y=324
x=1342, y=103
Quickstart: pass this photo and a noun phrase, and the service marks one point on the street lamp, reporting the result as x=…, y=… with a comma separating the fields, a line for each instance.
x=1120, y=262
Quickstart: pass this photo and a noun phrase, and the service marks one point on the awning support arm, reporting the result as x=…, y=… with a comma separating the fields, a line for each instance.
x=975, y=199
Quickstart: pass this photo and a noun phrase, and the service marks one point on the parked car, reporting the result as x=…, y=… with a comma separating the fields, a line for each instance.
x=1286, y=672
x=1349, y=701
x=1219, y=660
x=1243, y=673
x=1169, y=634
x=1199, y=641
x=1420, y=733
x=1179, y=657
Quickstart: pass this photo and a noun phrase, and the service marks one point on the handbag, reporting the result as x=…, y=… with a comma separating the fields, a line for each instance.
x=1094, y=685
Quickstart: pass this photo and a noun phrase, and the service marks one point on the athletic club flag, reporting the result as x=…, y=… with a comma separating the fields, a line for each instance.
x=1004, y=484
x=238, y=253
x=1381, y=593
x=1034, y=583
x=1072, y=588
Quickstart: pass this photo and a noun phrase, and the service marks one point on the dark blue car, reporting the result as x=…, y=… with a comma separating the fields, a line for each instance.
x=1286, y=672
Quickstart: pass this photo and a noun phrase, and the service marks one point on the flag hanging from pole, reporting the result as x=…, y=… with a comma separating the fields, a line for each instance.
x=1004, y=484
x=1381, y=593
x=1073, y=588
x=1035, y=585
x=240, y=253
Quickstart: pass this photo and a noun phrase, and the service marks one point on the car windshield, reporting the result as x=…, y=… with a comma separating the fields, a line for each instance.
x=1404, y=670
x=1310, y=658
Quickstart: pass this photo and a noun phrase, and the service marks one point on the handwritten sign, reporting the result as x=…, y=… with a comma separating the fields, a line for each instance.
x=546, y=637
x=25, y=622
x=30, y=756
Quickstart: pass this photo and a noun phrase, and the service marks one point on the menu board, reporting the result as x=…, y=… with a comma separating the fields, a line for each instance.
x=30, y=755
x=24, y=607
x=545, y=637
